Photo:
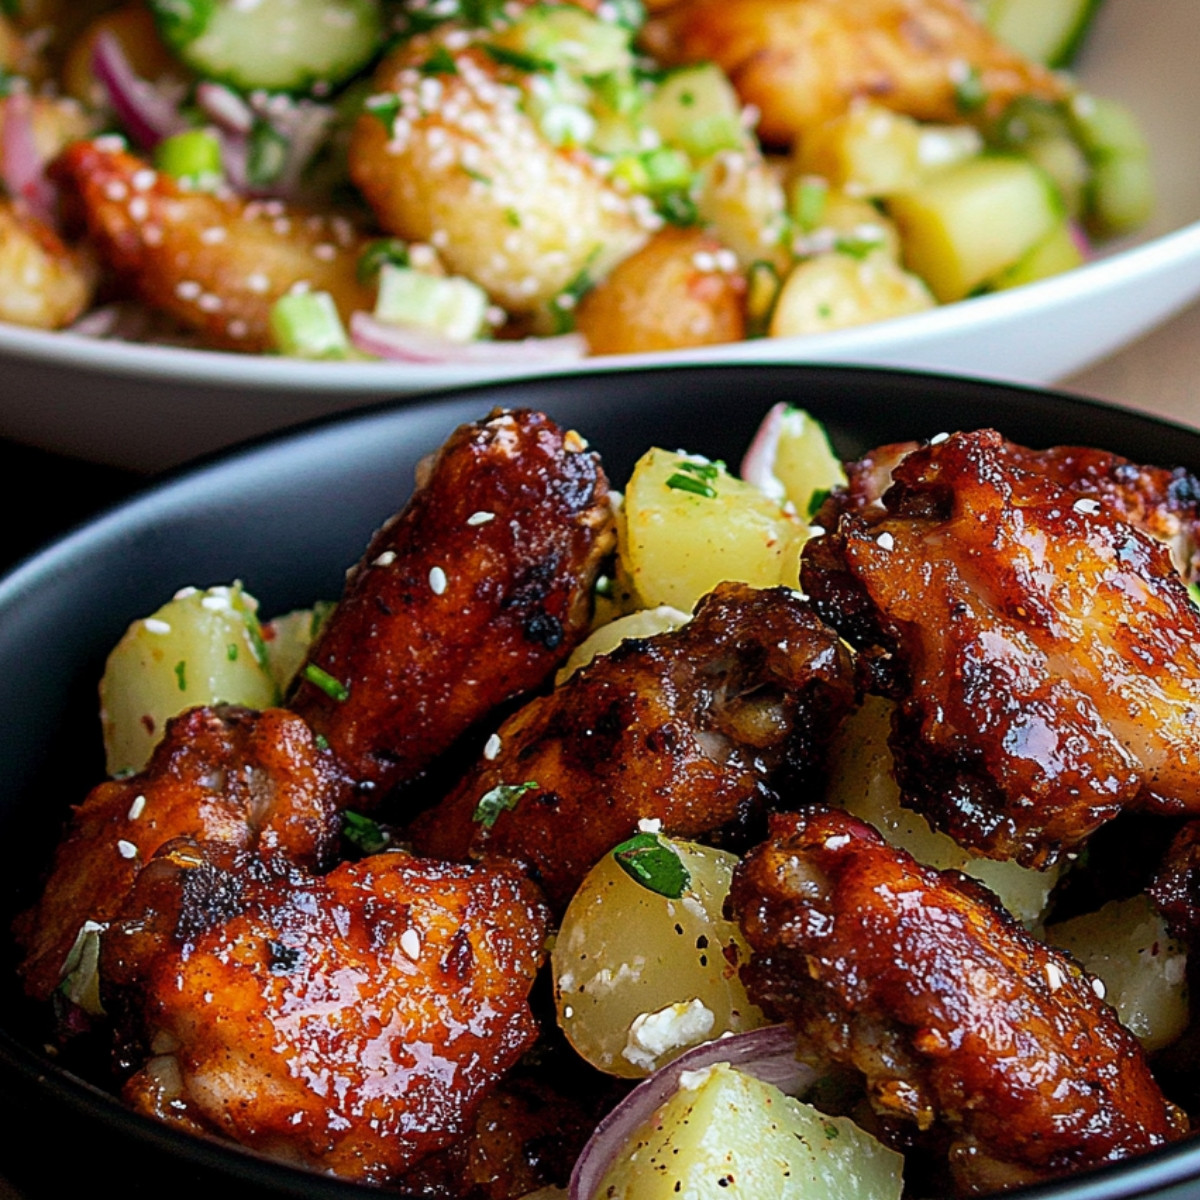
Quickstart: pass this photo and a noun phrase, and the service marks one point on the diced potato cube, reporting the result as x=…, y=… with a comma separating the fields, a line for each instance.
x=646, y=622
x=199, y=648
x=688, y=525
x=725, y=1134
x=1144, y=970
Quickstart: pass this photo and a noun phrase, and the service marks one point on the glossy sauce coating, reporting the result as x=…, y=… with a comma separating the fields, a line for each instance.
x=961, y=1022
x=687, y=727
x=474, y=594
x=351, y=1023
x=1045, y=654
x=252, y=780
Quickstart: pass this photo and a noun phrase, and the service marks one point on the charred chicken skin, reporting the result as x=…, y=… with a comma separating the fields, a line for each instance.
x=958, y=1019
x=1044, y=653
x=474, y=594
x=802, y=62
x=252, y=780
x=352, y=1023
x=688, y=727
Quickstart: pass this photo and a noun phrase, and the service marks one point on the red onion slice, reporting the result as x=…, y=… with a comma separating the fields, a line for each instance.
x=768, y=1054
x=758, y=466
x=147, y=113
x=407, y=344
x=21, y=165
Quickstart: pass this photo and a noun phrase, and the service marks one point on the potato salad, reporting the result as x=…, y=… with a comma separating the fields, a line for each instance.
x=439, y=181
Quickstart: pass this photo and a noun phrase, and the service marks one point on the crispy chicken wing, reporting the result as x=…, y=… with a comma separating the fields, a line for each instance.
x=688, y=727
x=352, y=1023
x=252, y=780
x=1044, y=653
x=959, y=1020
x=801, y=62
x=474, y=594
x=215, y=263
x=1175, y=888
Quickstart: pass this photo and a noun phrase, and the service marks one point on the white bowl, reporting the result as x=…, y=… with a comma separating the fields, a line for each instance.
x=150, y=407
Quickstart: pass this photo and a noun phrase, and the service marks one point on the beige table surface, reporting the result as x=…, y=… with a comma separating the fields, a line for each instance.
x=1158, y=374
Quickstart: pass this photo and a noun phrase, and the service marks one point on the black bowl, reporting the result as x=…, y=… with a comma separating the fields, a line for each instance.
x=288, y=516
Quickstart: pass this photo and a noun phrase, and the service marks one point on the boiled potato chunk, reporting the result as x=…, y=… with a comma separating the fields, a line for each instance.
x=646, y=622
x=202, y=647
x=861, y=782
x=640, y=977
x=725, y=1134
x=1144, y=970
x=804, y=461
x=688, y=525
x=287, y=639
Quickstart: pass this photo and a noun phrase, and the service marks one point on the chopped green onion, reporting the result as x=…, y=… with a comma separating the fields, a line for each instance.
x=322, y=742
x=192, y=157
x=678, y=208
x=335, y=689
x=648, y=860
x=386, y=107
x=367, y=835
x=308, y=325
x=858, y=247
x=518, y=59
x=383, y=250
x=440, y=62
x=689, y=483
x=231, y=652
x=267, y=154
x=707, y=471
x=181, y=674
x=809, y=198
x=817, y=499
x=500, y=798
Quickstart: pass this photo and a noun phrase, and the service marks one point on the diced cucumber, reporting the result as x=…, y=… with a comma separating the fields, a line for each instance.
x=192, y=158
x=1058, y=251
x=451, y=306
x=1063, y=159
x=970, y=222
x=277, y=45
x=696, y=109
x=1120, y=193
x=570, y=38
x=308, y=325
x=1048, y=31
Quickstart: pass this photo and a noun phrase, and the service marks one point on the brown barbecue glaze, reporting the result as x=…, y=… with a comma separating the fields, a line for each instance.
x=224, y=774
x=688, y=727
x=351, y=1023
x=1045, y=654
x=961, y=1022
x=474, y=594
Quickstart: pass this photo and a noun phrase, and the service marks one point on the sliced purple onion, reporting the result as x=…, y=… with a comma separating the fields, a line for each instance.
x=147, y=113
x=225, y=107
x=768, y=1054
x=408, y=344
x=21, y=166
x=758, y=466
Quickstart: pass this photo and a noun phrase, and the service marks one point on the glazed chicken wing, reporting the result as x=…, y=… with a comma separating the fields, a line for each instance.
x=801, y=62
x=958, y=1019
x=687, y=727
x=252, y=780
x=473, y=595
x=351, y=1023
x=1044, y=653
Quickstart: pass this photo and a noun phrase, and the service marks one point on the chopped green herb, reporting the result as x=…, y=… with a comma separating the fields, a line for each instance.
x=825, y=311
x=505, y=796
x=650, y=861
x=321, y=741
x=371, y=261
x=478, y=176
x=518, y=59
x=562, y=307
x=858, y=247
x=249, y=613
x=267, y=154
x=969, y=94
x=689, y=483
x=385, y=107
x=440, y=62
x=678, y=208
x=629, y=13
x=808, y=203
x=181, y=674
x=817, y=499
x=335, y=689
x=512, y=217
x=831, y=1130
x=1193, y=590
x=367, y=835
x=708, y=471
x=231, y=652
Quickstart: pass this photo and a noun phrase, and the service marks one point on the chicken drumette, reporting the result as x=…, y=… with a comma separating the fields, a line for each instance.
x=961, y=1023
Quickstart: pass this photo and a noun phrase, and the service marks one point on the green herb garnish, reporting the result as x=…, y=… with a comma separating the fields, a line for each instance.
x=389, y=251
x=518, y=59
x=819, y=496
x=500, y=798
x=969, y=93
x=267, y=154
x=694, y=477
x=440, y=62
x=369, y=836
x=857, y=247
x=231, y=652
x=650, y=861
x=335, y=689
x=181, y=674
x=385, y=107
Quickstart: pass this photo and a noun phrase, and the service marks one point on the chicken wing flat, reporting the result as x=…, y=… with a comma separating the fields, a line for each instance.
x=1044, y=653
x=252, y=780
x=473, y=595
x=688, y=727
x=1163, y=502
x=958, y=1019
x=351, y=1023
x=801, y=62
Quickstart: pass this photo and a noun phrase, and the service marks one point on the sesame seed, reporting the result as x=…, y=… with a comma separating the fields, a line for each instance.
x=257, y=282
x=325, y=251
x=185, y=592
x=885, y=541
x=116, y=191
x=1054, y=976
x=939, y=438
x=137, y=807
x=139, y=208
x=214, y=235
x=143, y=180
x=1099, y=988
x=410, y=943
x=126, y=849
x=154, y=625
x=437, y=580
x=481, y=518
x=188, y=289
x=491, y=748
x=385, y=559
x=1087, y=506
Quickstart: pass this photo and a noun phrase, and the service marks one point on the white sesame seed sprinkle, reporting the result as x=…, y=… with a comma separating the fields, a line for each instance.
x=437, y=580
x=885, y=541
x=481, y=517
x=137, y=807
x=491, y=748
x=385, y=559
x=155, y=625
x=1099, y=988
x=1087, y=506
x=1054, y=976
x=939, y=438
x=410, y=943
x=126, y=849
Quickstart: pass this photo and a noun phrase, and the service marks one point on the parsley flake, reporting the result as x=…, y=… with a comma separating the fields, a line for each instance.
x=689, y=483
x=819, y=496
x=650, y=861
x=335, y=689
x=369, y=836
x=181, y=674
x=504, y=796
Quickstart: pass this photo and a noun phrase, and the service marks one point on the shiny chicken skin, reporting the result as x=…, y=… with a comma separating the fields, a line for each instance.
x=802, y=62
x=959, y=1020
x=215, y=263
x=687, y=727
x=474, y=594
x=1044, y=653
x=251, y=780
x=350, y=1023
